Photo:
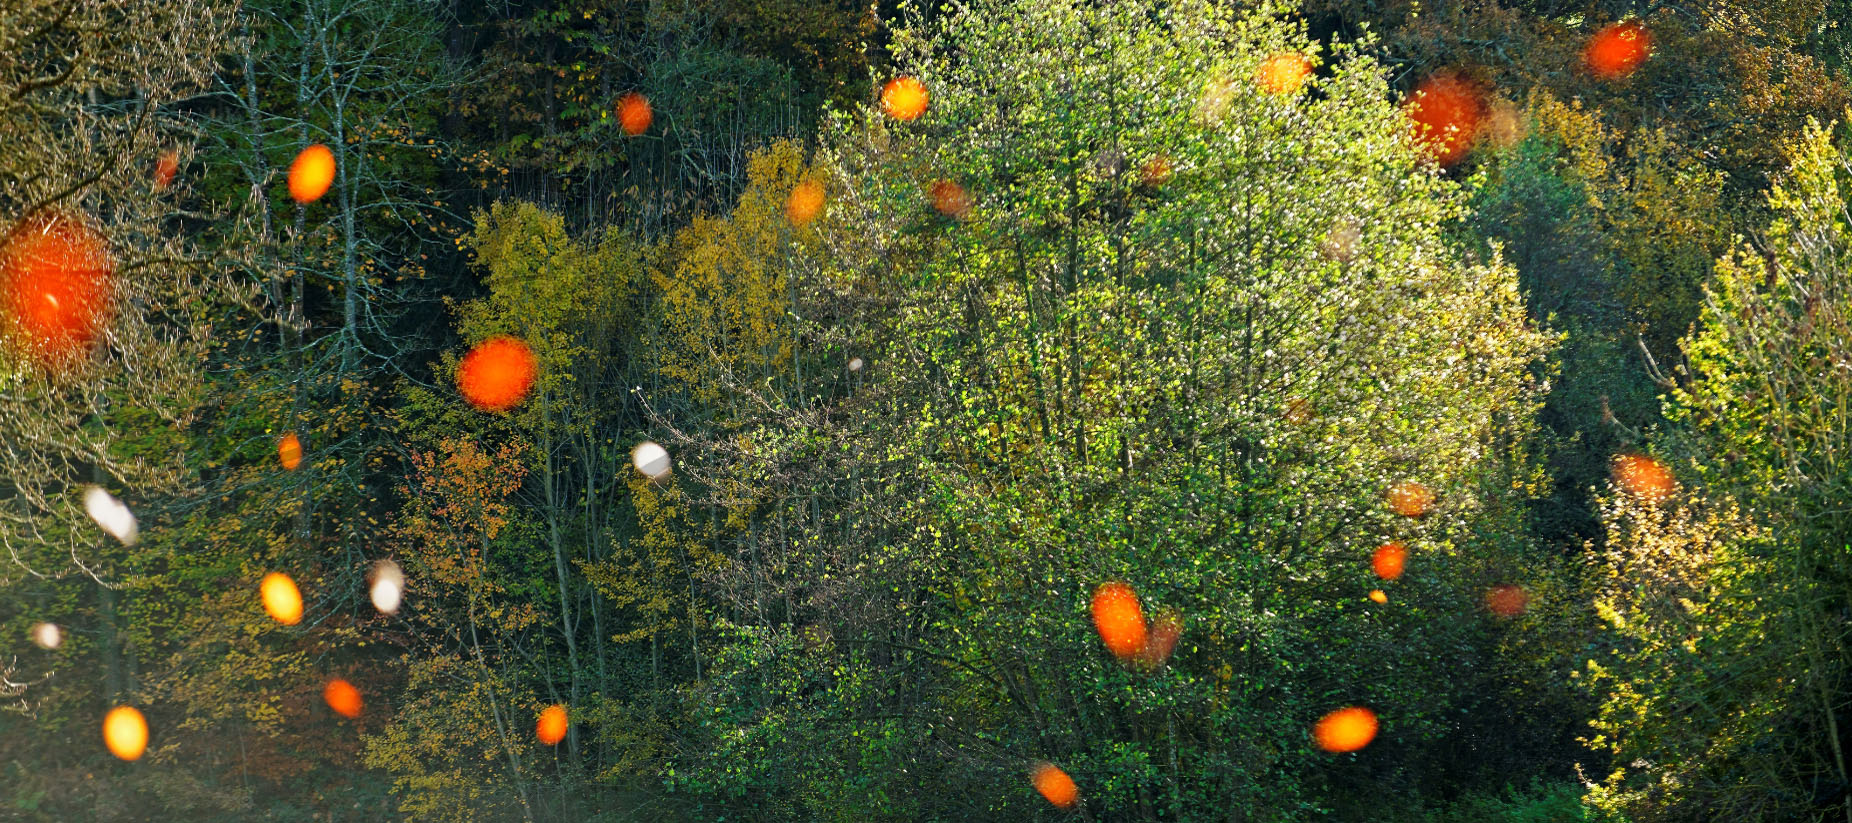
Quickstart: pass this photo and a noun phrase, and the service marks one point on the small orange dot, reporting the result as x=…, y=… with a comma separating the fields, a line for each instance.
x=496, y=375
x=634, y=114
x=1119, y=619
x=551, y=728
x=289, y=451
x=281, y=598
x=904, y=98
x=342, y=697
x=1378, y=596
x=1055, y=785
x=805, y=203
x=125, y=732
x=311, y=174
x=1615, y=51
x=1346, y=730
x=1389, y=560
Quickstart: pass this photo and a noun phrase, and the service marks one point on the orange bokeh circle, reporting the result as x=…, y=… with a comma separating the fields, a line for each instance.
x=1448, y=112
x=1615, y=51
x=311, y=174
x=634, y=114
x=551, y=727
x=1389, y=560
x=342, y=697
x=1119, y=619
x=1345, y=730
x=55, y=288
x=282, y=600
x=125, y=732
x=497, y=374
x=904, y=98
x=1055, y=785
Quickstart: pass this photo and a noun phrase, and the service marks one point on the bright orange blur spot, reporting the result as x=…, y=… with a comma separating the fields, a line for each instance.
x=1507, y=600
x=1389, y=560
x=54, y=289
x=805, y=203
x=165, y=169
x=342, y=697
x=1166, y=630
x=1447, y=111
x=1284, y=74
x=1410, y=499
x=289, y=451
x=1119, y=619
x=1345, y=730
x=1615, y=51
x=497, y=374
x=1156, y=171
x=311, y=174
x=551, y=728
x=1642, y=476
x=1055, y=785
x=281, y=598
x=634, y=114
x=125, y=732
x=904, y=98
x=1378, y=596
x=950, y=199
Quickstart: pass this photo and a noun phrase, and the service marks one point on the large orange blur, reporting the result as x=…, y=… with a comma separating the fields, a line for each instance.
x=125, y=732
x=1119, y=619
x=904, y=98
x=1345, y=730
x=54, y=289
x=342, y=697
x=282, y=600
x=1055, y=785
x=1642, y=476
x=950, y=199
x=1410, y=499
x=311, y=174
x=1284, y=74
x=1447, y=111
x=1507, y=600
x=497, y=374
x=551, y=728
x=1389, y=560
x=1615, y=51
x=634, y=114
x=805, y=203
x=289, y=451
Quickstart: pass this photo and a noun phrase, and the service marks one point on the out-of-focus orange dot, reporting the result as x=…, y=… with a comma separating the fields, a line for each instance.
x=1389, y=560
x=342, y=697
x=311, y=174
x=805, y=203
x=1166, y=630
x=1156, y=170
x=904, y=98
x=1447, y=111
x=125, y=732
x=1507, y=600
x=1642, y=476
x=1378, y=596
x=634, y=114
x=950, y=199
x=551, y=728
x=1410, y=499
x=1119, y=619
x=497, y=374
x=54, y=289
x=1284, y=73
x=281, y=598
x=1615, y=51
x=1345, y=730
x=289, y=451
x=165, y=169
x=1055, y=785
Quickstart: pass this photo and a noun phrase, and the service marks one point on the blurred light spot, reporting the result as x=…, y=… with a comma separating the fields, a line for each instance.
x=634, y=114
x=54, y=288
x=281, y=598
x=1156, y=171
x=387, y=586
x=1507, y=600
x=1642, y=477
x=289, y=451
x=1055, y=785
x=1615, y=51
x=47, y=635
x=855, y=364
x=342, y=697
x=1410, y=499
x=311, y=174
x=551, y=728
x=805, y=203
x=650, y=459
x=1448, y=112
x=497, y=374
x=950, y=199
x=1166, y=630
x=125, y=732
x=1345, y=730
x=1389, y=560
x=1119, y=619
x=1284, y=73
x=1378, y=596
x=165, y=169
x=109, y=514
x=904, y=98
x=1340, y=242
